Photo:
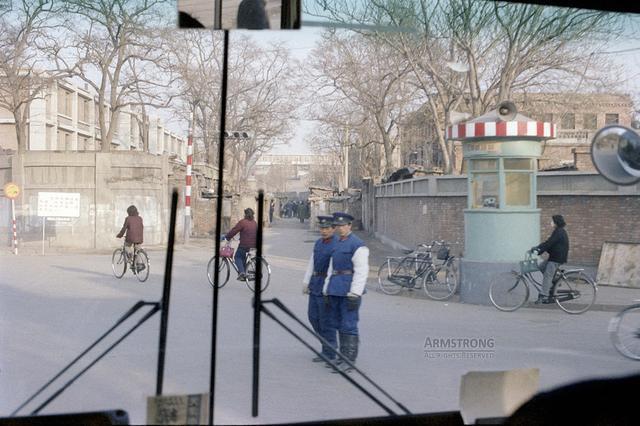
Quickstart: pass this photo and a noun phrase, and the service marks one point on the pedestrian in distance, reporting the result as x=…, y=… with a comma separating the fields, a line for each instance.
x=133, y=232
x=313, y=282
x=248, y=229
x=272, y=208
x=557, y=246
x=345, y=285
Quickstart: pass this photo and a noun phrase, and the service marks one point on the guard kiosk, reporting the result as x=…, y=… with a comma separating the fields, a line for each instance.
x=502, y=221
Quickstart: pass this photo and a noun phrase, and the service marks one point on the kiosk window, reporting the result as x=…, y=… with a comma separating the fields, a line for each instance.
x=485, y=190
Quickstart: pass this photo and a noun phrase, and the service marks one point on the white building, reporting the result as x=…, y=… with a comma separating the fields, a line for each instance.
x=66, y=119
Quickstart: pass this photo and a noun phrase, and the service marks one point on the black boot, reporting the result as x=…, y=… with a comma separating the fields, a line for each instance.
x=349, y=348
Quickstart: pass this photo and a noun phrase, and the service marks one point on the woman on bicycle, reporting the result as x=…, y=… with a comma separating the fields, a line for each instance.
x=134, y=229
x=557, y=246
x=248, y=229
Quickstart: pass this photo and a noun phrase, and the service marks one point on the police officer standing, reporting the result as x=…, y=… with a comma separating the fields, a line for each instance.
x=313, y=283
x=345, y=284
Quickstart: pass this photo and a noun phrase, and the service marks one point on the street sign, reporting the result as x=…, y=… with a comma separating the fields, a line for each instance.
x=178, y=409
x=58, y=204
x=11, y=191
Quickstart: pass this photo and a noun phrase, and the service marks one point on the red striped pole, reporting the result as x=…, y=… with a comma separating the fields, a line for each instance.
x=187, y=192
x=15, y=232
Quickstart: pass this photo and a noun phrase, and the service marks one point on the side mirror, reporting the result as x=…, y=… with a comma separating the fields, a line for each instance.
x=615, y=152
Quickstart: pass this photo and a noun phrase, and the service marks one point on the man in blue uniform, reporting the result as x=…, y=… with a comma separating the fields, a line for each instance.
x=314, y=281
x=345, y=284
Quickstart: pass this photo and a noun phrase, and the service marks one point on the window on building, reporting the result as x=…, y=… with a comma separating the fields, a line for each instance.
x=568, y=121
x=65, y=99
x=590, y=121
x=484, y=183
x=84, y=110
x=611, y=119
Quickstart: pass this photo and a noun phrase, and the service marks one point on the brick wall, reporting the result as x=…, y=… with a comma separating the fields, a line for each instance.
x=595, y=210
x=412, y=220
x=592, y=220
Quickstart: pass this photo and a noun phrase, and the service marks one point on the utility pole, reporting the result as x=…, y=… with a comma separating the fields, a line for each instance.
x=187, y=191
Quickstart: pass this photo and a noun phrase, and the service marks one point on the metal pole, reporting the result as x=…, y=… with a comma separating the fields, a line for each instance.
x=216, y=271
x=166, y=293
x=217, y=15
x=187, y=190
x=257, y=308
x=15, y=233
x=44, y=223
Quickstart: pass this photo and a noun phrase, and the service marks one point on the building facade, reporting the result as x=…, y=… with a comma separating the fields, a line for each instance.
x=65, y=118
x=577, y=116
x=296, y=172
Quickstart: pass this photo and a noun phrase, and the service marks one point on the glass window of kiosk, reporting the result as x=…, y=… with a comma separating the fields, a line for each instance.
x=518, y=175
x=484, y=183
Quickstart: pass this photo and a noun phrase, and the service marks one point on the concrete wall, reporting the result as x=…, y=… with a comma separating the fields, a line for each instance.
x=424, y=209
x=107, y=184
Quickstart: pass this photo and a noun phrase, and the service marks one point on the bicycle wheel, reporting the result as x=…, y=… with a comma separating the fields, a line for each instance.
x=119, y=262
x=251, y=273
x=508, y=291
x=141, y=265
x=223, y=271
x=442, y=283
x=624, y=330
x=387, y=270
x=574, y=293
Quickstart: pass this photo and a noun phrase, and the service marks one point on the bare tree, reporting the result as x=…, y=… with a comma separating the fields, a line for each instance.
x=260, y=90
x=110, y=42
x=471, y=55
x=24, y=75
x=371, y=79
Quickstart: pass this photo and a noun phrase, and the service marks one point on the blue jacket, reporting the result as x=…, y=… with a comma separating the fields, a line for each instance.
x=342, y=265
x=321, y=256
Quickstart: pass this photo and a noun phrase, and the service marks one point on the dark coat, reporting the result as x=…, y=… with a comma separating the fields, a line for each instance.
x=134, y=228
x=248, y=230
x=557, y=246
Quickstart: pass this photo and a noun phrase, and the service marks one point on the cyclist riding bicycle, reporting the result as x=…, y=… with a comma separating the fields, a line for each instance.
x=248, y=229
x=134, y=229
x=557, y=246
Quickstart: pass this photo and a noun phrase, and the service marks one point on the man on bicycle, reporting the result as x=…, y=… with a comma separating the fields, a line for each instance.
x=557, y=246
x=134, y=229
x=248, y=229
x=313, y=281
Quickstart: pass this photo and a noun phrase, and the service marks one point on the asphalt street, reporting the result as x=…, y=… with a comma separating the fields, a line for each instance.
x=52, y=307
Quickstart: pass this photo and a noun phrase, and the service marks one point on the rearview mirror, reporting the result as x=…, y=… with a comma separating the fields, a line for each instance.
x=615, y=152
x=239, y=14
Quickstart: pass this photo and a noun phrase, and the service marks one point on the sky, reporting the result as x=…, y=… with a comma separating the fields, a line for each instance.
x=625, y=52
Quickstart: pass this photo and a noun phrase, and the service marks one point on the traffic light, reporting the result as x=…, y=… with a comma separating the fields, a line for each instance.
x=236, y=135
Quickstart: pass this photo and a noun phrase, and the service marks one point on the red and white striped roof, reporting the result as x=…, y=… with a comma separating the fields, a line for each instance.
x=492, y=129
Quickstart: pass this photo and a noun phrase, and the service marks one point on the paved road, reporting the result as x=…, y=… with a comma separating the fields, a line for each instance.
x=52, y=307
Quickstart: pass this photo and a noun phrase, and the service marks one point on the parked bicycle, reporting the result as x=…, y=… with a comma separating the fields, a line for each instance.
x=624, y=331
x=138, y=263
x=438, y=279
x=227, y=263
x=571, y=289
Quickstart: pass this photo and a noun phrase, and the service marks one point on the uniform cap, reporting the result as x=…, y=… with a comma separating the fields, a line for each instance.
x=325, y=221
x=342, y=218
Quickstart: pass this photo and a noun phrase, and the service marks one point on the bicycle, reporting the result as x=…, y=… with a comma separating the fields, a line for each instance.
x=139, y=263
x=571, y=290
x=624, y=331
x=227, y=262
x=439, y=280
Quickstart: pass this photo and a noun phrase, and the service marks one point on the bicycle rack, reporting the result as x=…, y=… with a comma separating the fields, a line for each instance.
x=162, y=306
